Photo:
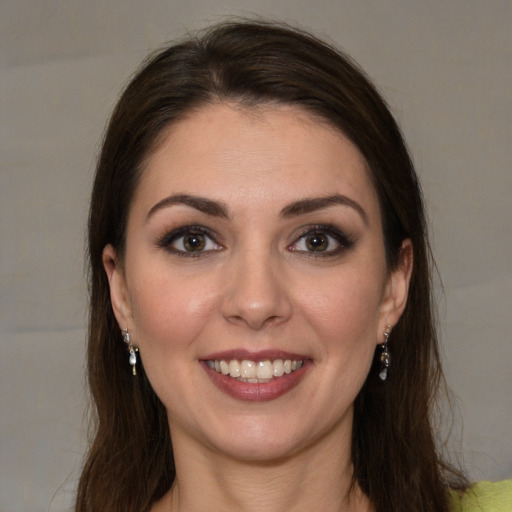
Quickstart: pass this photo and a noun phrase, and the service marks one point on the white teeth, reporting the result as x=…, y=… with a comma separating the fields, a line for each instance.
x=248, y=369
x=264, y=370
x=234, y=368
x=278, y=367
x=224, y=367
x=254, y=372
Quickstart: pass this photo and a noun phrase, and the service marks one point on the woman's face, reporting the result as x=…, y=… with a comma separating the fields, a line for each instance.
x=254, y=279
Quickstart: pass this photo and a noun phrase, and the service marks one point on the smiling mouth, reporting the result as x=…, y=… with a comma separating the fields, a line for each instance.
x=255, y=372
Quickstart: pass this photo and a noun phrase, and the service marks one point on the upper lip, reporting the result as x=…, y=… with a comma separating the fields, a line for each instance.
x=261, y=355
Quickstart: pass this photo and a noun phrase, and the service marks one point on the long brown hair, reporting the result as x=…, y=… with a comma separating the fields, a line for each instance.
x=130, y=462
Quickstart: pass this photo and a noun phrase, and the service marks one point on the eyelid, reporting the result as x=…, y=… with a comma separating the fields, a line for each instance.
x=171, y=236
x=343, y=240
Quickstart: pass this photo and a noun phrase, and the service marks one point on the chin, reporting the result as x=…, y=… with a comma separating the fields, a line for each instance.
x=272, y=439
x=260, y=449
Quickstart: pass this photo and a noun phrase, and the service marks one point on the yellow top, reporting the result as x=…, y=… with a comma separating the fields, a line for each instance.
x=484, y=497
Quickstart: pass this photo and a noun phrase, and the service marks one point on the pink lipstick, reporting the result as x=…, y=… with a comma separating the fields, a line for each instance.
x=256, y=376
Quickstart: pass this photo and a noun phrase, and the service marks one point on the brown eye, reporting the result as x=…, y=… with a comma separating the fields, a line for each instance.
x=317, y=242
x=322, y=241
x=194, y=242
x=190, y=241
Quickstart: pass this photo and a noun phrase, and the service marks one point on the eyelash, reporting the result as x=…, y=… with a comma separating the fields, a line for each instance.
x=173, y=236
x=344, y=242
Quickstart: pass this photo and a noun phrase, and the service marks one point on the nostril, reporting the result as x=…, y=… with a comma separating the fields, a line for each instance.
x=257, y=317
x=254, y=294
x=272, y=320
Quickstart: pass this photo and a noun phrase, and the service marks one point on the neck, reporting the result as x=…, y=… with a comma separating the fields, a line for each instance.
x=317, y=478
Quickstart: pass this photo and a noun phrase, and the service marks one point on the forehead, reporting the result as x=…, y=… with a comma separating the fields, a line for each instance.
x=266, y=155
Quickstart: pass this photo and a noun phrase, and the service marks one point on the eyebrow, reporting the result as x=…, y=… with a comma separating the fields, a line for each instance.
x=207, y=206
x=219, y=209
x=314, y=204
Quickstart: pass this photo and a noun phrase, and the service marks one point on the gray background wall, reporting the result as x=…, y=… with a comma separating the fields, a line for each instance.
x=445, y=67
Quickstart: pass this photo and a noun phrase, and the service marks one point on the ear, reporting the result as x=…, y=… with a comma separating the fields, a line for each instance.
x=119, y=296
x=396, y=290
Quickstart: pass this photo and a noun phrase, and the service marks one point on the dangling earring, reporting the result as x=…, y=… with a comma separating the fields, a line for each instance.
x=132, y=349
x=385, y=357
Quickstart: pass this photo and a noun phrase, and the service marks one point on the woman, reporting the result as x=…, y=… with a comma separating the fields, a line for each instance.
x=261, y=330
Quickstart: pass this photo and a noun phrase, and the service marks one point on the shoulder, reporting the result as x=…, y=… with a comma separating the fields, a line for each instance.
x=483, y=497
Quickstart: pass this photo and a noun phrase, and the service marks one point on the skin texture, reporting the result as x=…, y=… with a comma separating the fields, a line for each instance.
x=257, y=286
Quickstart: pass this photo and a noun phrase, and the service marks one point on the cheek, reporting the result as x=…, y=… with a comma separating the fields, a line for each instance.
x=169, y=312
x=344, y=312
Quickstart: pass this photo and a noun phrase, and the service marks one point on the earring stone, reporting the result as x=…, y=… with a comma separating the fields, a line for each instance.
x=132, y=350
x=385, y=357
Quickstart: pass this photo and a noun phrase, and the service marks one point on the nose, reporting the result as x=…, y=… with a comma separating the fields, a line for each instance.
x=256, y=294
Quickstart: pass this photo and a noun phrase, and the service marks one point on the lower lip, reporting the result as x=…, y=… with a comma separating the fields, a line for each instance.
x=257, y=392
